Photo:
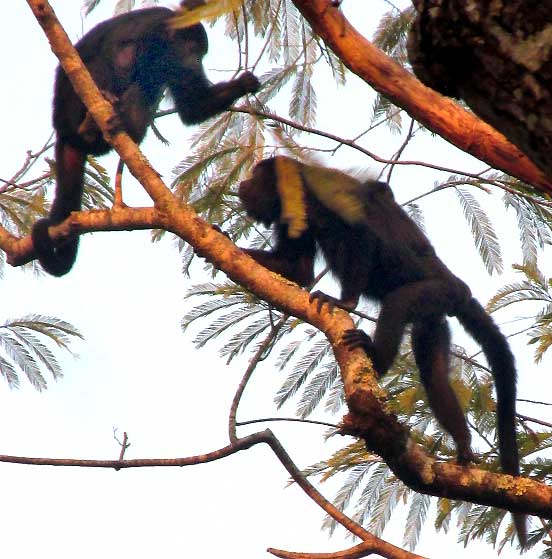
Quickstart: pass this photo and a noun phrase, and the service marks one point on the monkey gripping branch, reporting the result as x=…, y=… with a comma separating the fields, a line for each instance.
x=368, y=416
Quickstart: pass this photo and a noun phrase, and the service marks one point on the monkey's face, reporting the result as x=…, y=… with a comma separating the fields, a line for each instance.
x=190, y=46
x=259, y=194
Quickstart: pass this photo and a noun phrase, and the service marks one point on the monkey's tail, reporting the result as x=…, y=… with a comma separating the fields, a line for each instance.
x=486, y=333
x=58, y=258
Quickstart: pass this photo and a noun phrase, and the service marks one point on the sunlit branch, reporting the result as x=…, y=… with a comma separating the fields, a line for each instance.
x=437, y=113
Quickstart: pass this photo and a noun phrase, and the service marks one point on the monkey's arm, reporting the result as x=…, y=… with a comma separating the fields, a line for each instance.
x=197, y=100
x=299, y=269
x=293, y=259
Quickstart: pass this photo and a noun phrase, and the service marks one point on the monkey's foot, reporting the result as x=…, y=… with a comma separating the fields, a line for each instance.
x=322, y=299
x=466, y=456
x=358, y=339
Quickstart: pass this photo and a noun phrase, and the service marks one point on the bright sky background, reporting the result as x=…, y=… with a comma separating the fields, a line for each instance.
x=139, y=373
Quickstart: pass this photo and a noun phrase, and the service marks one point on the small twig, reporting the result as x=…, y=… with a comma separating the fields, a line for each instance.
x=247, y=376
x=289, y=419
x=409, y=136
x=534, y=402
x=350, y=143
x=534, y=420
x=124, y=444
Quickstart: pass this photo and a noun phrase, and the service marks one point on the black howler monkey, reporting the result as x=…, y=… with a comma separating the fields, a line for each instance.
x=132, y=58
x=375, y=249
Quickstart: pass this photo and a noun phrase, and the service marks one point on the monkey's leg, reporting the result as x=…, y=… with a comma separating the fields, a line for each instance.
x=410, y=303
x=133, y=116
x=431, y=344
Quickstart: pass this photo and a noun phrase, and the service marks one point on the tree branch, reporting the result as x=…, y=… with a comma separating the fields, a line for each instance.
x=376, y=544
x=21, y=251
x=497, y=61
x=247, y=376
x=357, y=552
x=439, y=114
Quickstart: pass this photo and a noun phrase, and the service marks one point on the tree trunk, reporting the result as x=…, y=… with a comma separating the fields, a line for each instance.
x=497, y=57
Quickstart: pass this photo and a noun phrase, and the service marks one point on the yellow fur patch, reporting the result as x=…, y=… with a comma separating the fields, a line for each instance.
x=292, y=196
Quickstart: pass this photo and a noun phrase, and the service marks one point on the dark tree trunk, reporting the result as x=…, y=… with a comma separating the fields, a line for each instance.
x=497, y=57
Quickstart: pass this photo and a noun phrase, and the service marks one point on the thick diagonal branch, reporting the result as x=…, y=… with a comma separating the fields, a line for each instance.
x=439, y=114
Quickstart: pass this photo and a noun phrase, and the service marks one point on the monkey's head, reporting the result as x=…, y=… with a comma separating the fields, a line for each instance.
x=189, y=45
x=259, y=194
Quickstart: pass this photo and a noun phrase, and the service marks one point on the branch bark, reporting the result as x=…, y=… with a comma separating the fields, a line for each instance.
x=496, y=57
x=437, y=113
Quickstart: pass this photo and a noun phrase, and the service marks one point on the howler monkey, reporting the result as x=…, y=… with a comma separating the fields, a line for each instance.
x=132, y=58
x=375, y=249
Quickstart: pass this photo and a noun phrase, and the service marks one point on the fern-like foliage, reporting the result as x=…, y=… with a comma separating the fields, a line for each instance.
x=25, y=348
x=534, y=219
x=392, y=33
x=98, y=192
x=482, y=230
x=537, y=289
x=235, y=314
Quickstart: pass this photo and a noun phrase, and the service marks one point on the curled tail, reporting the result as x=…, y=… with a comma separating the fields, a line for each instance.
x=483, y=329
x=56, y=260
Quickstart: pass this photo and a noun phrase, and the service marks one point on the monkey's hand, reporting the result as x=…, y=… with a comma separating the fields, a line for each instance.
x=116, y=122
x=359, y=339
x=88, y=129
x=249, y=82
x=322, y=299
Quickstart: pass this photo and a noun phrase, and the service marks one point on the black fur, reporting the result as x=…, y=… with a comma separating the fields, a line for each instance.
x=132, y=58
x=387, y=258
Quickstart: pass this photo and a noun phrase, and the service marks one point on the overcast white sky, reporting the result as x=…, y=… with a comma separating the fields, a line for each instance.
x=138, y=372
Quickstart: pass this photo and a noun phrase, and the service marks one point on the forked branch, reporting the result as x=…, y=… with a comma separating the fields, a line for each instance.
x=376, y=545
